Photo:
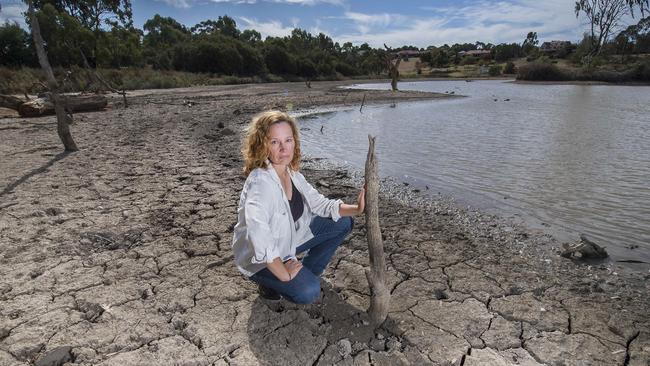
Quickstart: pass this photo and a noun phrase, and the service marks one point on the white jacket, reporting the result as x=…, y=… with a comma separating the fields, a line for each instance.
x=265, y=228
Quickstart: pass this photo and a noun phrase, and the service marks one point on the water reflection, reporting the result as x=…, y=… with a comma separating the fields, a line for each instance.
x=574, y=157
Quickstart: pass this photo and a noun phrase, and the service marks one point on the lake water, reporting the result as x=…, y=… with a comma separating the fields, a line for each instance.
x=568, y=159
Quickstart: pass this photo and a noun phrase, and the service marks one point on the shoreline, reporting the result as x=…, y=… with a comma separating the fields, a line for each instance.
x=121, y=251
x=542, y=241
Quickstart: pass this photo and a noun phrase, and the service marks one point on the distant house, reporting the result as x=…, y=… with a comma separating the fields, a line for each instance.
x=556, y=48
x=476, y=53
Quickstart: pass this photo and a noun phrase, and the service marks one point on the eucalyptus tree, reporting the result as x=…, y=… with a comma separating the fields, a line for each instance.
x=93, y=15
x=604, y=17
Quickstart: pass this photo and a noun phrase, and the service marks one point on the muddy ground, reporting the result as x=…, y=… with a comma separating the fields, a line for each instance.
x=119, y=254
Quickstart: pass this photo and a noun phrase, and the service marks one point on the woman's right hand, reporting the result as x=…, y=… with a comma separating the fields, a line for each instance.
x=293, y=267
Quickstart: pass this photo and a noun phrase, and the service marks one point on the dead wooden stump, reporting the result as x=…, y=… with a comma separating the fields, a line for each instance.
x=379, y=294
x=585, y=249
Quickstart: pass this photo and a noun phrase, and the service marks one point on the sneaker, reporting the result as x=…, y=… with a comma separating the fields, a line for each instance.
x=267, y=293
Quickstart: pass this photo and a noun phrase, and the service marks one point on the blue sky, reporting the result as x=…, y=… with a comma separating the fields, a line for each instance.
x=396, y=23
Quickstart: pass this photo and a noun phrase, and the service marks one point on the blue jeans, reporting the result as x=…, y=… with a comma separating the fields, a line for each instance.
x=305, y=287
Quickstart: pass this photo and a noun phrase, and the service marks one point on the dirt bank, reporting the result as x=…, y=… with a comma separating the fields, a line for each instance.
x=119, y=254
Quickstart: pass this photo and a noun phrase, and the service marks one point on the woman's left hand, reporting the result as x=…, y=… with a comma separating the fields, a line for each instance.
x=361, y=201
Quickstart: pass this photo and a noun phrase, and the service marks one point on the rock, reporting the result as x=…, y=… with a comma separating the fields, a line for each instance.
x=53, y=211
x=56, y=357
x=344, y=347
x=227, y=132
x=4, y=333
x=393, y=345
x=378, y=345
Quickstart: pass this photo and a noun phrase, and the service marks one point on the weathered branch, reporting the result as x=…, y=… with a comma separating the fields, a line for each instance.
x=380, y=295
x=101, y=80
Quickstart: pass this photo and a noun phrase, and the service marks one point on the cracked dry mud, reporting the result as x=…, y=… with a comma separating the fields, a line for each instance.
x=119, y=254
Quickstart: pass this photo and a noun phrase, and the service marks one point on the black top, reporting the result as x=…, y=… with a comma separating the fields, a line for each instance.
x=295, y=203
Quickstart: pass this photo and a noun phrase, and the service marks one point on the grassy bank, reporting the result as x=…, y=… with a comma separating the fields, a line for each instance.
x=21, y=80
x=546, y=71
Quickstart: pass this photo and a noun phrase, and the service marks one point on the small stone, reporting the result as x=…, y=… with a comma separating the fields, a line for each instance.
x=56, y=357
x=393, y=345
x=378, y=345
x=4, y=333
x=358, y=347
x=344, y=347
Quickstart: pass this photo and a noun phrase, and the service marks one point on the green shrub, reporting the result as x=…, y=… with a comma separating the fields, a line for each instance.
x=469, y=60
x=509, y=68
x=541, y=71
x=641, y=71
x=495, y=70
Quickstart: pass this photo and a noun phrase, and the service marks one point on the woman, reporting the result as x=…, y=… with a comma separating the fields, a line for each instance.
x=281, y=215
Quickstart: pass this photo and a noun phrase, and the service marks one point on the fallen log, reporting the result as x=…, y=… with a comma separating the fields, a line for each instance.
x=72, y=103
x=11, y=102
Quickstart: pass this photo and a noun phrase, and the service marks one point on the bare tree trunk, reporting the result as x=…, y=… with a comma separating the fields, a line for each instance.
x=61, y=119
x=394, y=73
x=393, y=68
x=380, y=296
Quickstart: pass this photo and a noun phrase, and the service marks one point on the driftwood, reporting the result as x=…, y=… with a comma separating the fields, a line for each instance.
x=11, y=102
x=585, y=249
x=380, y=296
x=71, y=103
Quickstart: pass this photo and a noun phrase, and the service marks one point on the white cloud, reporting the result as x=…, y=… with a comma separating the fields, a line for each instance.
x=183, y=4
x=366, y=22
x=309, y=2
x=297, y=2
x=13, y=13
x=487, y=21
x=271, y=28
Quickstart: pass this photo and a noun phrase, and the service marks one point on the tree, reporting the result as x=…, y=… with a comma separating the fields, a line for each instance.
x=279, y=61
x=604, y=17
x=504, y=52
x=529, y=43
x=250, y=36
x=61, y=118
x=635, y=38
x=92, y=15
x=224, y=25
x=65, y=36
x=120, y=47
x=163, y=34
x=15, y=47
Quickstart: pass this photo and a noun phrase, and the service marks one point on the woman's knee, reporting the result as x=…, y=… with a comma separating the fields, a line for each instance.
x=346, y=223
x=309, y=294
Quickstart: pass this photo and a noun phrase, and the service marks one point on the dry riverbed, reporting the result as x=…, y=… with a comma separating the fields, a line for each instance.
x=119, y=254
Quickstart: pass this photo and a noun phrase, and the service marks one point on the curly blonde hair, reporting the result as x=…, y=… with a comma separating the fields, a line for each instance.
x=255, y=147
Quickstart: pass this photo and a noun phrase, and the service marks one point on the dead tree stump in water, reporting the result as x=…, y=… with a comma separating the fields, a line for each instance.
x=379, y=294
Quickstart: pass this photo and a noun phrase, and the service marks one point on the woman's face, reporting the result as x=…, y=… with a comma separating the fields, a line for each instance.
x=281, y=143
